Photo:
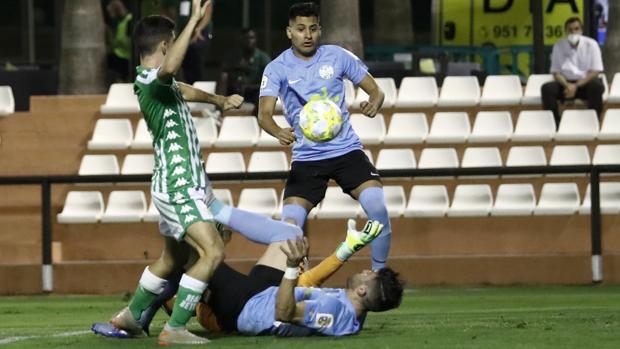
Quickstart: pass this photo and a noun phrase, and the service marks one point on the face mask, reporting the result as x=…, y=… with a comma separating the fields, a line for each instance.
x=574, y=38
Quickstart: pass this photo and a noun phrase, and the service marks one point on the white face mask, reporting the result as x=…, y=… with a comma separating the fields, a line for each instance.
x=574, y=38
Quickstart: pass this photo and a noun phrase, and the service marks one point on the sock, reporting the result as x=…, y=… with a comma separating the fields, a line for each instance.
x=189, y=293
x=171, y=287
x=296, y=213
x=373, y=203
x=317, y=275
x=253, y=226
x=149, y=287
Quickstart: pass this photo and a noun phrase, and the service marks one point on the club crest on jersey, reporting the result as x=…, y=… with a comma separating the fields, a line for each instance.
x=326, y=71
x=324, y=320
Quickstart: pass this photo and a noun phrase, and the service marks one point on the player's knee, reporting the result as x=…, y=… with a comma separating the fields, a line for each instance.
x=294, y=214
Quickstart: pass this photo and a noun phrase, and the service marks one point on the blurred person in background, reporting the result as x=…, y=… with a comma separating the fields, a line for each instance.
x=118, y=40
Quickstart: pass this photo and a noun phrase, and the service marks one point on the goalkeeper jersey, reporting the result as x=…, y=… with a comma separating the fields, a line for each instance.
x=178, y=159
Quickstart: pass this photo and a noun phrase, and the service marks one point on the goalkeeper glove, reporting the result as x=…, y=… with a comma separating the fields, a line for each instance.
x=357, y=239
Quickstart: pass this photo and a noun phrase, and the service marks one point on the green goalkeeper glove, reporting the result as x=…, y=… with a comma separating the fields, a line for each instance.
x=357, y=239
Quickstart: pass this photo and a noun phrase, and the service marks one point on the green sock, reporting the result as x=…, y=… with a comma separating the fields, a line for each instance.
x=184, y=306
x=140, y=301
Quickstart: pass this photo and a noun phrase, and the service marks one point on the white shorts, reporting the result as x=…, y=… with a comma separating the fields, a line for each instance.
x=180, y=209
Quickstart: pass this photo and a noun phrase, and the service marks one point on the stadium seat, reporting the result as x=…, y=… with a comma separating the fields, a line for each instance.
x=207, y=86
x=481, y=157
x=569, y=155
x=82, y=207
x=534, y=126
x=471, y=200
x=614, y=91
x=438, y=158
x=259, y=200
x=349, y=92
x=459, y=91
x=417, y=92
x=206, y=130
x=609, y=198
x=394, y=200
x=138, y=164
x=532, y=88
x=267, y=140
x=99, y=165
x=427, y=201
x=152, y=214
x=390, y=159
x=514, y=200
x=111, y=134
x=558, y=199
x=449, y=127
x=526, y=156
x=238, y=131
x=268, y=161
x=578, y=125
x=502, y=90
x=142, y=138
x=224, y=195
x=7, y=101
x=225, y=162
x=387, y=85
x=606, y=154
x=610, y=129
x=125, y=206
x=491, y=126
x=407, y=128
x=369, y=130
x=121, y=100
x=337, y=204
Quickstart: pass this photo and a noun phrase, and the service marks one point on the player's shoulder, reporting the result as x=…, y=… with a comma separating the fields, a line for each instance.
x=337, y=50
x=145, y=76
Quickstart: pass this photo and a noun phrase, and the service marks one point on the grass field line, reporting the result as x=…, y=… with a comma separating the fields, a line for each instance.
x=15, y=339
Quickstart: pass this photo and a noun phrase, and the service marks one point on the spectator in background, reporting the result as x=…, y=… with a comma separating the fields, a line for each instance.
x=576, y=63
x=242, y=73
x=118, y=40
x=179, y=11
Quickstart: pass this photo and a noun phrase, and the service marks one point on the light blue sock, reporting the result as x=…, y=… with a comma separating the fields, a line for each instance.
x=296, y=213
x=373, y=203
x=253, y=226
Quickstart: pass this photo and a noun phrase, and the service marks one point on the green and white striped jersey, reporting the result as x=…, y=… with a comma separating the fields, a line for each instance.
x=178, y=159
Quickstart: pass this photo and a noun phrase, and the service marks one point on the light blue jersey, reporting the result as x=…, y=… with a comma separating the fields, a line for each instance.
x=295, y=81
x=328, y=311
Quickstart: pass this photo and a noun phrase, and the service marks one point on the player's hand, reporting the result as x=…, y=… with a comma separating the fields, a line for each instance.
x=570, y=91
x=232, y=102
x=198, y=37
x=295, y=251
x=286, y=136
x=199, y=11
x=356, y=240
x=369, y=109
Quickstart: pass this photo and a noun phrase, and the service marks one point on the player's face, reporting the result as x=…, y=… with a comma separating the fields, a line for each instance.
x=359, y=279
x=304, y=33
x=574, y=28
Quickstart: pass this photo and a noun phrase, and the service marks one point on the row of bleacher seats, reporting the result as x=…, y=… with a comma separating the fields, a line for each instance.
x=7, y=101
x=424, y=201
x=396, y=158
x=414, y=92
x=404, y=128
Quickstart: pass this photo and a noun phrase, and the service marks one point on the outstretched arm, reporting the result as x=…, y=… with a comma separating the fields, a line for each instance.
x=375, y=96
x=192, y=94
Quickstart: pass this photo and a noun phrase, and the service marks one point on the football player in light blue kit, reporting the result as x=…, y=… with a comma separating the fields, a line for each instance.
x=308, y=71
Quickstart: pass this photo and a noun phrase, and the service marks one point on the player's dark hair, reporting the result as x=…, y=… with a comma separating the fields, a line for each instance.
x=387, y=292
x=572, y=20
x=303, y=9
x=150, y=31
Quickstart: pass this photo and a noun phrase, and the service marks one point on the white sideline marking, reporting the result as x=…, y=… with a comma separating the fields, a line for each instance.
x=10, y=340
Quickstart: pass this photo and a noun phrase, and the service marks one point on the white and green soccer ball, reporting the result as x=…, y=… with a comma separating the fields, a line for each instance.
x=320, y=120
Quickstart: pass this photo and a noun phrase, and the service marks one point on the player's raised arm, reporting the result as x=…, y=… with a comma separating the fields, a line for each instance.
x=176, y=53
x=287, y=309
x=266, y=106
x=192, y=94
x=375, y=96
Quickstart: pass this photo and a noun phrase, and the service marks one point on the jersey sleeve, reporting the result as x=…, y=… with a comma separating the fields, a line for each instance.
x=353, y=67
x=328, y=316
x=271, y=81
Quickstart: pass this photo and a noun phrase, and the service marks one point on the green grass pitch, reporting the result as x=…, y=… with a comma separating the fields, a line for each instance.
x=489, y=317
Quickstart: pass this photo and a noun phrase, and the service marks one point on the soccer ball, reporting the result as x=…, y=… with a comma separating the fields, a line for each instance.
x=320, y=120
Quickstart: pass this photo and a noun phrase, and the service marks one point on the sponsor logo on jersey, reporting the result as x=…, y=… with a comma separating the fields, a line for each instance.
x=178, y=171
x=324, y=320
x=171, y=135
x=180, y=182
x=177, y=159
x=174, y=147
x=169, y=112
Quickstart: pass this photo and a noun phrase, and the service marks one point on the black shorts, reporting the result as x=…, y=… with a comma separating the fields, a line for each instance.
x=308, y=179
x=230, y=290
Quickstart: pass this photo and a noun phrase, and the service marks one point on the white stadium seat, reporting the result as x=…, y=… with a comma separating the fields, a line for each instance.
x=82, y=207
x=387, y=85
x=125, y=206
x=407, y=128
x=259, y=200
x=395, y=201
x=610, y=129
x=142, y=138
x=427, y=201
x=207, y=86
x=481, y=157
x=152, y=214
x=99, y=165
x=225, y=162
x=268, y=161
x=614, y=91
x=7, y=101
x=471, y=200
x=534, y=126
x=369, y=130
x=569, y=155
x=390, y=159
x=514, y=200
x=238, y=131
x=224, y=195
x=532, y=94
x=459, y=91
x=111, y=134
x=121, y=100
x=206, y=131
x=337, y=204
x=491, y=126
x=558, y=199
x=267, y=140
x=502, y=90
x=606, y=154
x=449, y=127
x=609, y=198
x=526, y=156
x=438, y=158
x=578, y=125
x=416, y=92
x=138, y=164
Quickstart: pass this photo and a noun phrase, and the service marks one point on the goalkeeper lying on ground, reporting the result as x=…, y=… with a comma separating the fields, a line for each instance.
x=269, y=301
